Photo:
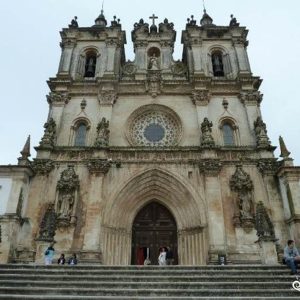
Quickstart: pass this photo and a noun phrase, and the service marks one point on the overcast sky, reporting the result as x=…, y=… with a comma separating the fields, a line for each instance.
x=30, y=53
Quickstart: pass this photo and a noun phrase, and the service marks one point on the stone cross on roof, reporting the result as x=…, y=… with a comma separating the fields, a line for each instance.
x=153, y=17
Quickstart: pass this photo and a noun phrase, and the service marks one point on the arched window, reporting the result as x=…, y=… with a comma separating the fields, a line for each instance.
x=80, y=135
x=90, y=64
x=228, y=135
x=217, y=63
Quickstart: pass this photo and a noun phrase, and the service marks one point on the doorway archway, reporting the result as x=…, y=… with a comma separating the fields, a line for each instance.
x=154, y=227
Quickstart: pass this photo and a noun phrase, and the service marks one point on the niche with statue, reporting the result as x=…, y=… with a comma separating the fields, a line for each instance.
x=66, y=197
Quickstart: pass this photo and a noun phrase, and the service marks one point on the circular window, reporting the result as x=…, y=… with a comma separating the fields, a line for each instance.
x=154, y=125
x=154, y=132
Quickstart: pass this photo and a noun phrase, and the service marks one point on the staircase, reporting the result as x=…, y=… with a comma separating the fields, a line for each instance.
x=146, y=282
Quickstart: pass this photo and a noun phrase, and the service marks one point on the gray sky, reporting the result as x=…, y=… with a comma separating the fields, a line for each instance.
x=30, y=53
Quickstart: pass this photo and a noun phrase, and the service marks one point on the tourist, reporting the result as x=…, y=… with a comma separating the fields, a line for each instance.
x=162, y=257
x=291, y=256
x=49, y=253
x=169, y=257
x=72, y=260
x=61, y=260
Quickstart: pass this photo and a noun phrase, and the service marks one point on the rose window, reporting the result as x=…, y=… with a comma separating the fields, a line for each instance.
x=155, y=128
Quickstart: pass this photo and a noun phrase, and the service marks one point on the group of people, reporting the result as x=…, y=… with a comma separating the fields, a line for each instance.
x=165, y=257
x=49, y=255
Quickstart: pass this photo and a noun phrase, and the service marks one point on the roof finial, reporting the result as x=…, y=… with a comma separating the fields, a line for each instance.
x=284, y=153
x=204, y=9
x=101, y=21
x=23, y=160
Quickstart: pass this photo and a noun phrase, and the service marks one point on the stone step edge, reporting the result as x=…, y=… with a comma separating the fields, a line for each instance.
x=67, y=297
x=88, y=266
x=56, y=289
x=3, y=282
x=148, y=277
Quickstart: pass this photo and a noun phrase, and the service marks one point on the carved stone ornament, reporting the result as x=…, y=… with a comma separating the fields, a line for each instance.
x=252, y=98
x=107, y=98
x=102, y=139
x=66, y=197
x=98, y=166
x=58, y=97
x=260, y=129
x=179, y=69
x=49, y=134
x=206, y=137
x=48, y=225
x=201, y=97
x=210, y=166
x=68, y=180
x=42, y=166
x=129, y=68
x=268, y=166
x=242, y=185
x=153, y=83
x=264, y=226
x=139, y=28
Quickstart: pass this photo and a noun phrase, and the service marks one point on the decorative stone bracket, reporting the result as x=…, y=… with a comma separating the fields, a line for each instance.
x=42, y=166
x=98, y=166
x=210, y=166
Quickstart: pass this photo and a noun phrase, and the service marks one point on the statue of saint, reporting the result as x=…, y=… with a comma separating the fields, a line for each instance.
x=65, y=205
x=245, y=205
x=153, y=65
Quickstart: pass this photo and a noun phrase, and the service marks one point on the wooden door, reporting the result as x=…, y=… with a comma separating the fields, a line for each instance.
x=154, y=227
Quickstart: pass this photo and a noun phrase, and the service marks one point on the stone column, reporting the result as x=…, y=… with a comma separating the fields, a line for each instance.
x=216, y=225
x=251, y=101
x=66, y=56
x=290, y=191
x=242, y=57
x=201, y=99
x=91, y=251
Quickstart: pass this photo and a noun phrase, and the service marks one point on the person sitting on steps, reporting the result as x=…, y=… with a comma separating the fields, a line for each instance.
x=72, y=260
x=291, y=256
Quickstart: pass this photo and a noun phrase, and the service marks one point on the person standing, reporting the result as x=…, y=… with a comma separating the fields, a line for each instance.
x=291, y=256
x=169, y=257
x=49, y=253
x=162, y=257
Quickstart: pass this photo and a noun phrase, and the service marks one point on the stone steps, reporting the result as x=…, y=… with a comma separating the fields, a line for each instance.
x=143, y=278
x=153, y=282
x=146, y=284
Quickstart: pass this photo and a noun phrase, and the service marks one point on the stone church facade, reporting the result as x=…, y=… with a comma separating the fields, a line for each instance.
x=153, y=152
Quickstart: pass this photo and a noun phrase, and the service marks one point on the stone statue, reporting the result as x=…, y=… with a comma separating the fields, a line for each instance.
x=264, y=225
x=153, y=65
x=207, y=139
x=49, y=133
x=260, y=130
x=65, y=205
x=242, y=185
x=48, y=225
x=74, y=23
x=103, y=133
x=233, y=21
x=245, y=203
x=66, y=196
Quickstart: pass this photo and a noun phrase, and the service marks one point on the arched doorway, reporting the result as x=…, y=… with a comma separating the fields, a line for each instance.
x=153, y=227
